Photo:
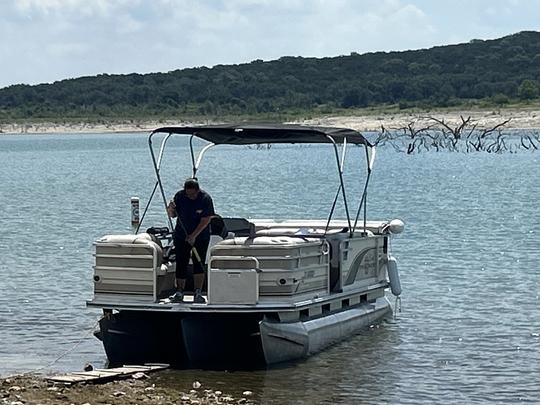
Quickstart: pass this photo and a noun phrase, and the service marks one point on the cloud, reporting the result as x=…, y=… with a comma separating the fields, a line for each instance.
x=67, y=49
x=81, y=8
x=47, y=40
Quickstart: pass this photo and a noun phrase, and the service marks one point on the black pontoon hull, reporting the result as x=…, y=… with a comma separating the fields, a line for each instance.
x=227, y=340
x=182, y=340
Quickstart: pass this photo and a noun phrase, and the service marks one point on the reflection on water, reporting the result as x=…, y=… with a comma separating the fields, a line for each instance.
x=470, y=327
x=334, y=376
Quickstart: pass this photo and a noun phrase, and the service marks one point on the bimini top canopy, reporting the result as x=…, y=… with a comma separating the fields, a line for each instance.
x=250, y=134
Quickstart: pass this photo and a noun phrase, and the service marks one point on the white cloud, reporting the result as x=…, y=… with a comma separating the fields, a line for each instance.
x=67, y=49
x=47, y=40
x=129, y=25
x=81, y=7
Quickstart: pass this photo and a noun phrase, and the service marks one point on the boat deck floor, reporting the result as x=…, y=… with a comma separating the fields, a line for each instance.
x=141, y=303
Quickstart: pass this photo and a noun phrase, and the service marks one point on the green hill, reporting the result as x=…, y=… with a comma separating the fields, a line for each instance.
x=498, y=70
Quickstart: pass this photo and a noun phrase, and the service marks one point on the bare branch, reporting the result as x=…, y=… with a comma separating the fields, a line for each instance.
x=437, y=134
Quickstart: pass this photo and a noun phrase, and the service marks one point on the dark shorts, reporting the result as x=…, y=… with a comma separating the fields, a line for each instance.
x=184, y=253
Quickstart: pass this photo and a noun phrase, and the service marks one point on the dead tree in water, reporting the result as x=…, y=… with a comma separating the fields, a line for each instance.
x=431, y=133
x=531, y=141
x=408, y=137
x=453, y=135
x=477, y=141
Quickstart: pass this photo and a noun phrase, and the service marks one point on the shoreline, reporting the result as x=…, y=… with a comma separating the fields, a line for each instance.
x=519, y=119
x=148, y=389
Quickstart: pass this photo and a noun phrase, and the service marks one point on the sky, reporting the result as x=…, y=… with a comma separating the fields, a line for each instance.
x=42, y=41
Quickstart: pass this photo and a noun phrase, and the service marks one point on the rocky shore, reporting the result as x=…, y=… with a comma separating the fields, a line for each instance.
x=518, y=119
x=138, y=389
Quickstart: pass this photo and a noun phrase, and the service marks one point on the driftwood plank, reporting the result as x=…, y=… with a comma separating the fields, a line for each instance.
x=99, y=375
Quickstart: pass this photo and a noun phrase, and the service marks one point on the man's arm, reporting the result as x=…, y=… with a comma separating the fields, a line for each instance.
x=171, y=209
x=202, y=224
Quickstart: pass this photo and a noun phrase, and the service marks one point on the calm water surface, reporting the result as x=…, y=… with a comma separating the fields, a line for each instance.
x=469, y=261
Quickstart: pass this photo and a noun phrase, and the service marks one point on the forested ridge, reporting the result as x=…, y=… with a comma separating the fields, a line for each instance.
x=499, y=71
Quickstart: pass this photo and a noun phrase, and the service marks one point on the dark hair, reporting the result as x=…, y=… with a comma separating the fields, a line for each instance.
x=191, y=184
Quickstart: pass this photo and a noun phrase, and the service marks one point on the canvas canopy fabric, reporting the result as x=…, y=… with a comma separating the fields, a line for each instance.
x=250, y=134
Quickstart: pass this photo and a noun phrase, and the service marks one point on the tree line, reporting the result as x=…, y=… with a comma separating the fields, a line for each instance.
x=499, y=71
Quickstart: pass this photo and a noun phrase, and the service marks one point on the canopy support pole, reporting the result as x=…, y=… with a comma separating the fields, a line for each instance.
x=160, y=157
x=342, y=185
x=370, y=158
x=158, y=178
x=199, y=158
x=332, y=209
x=193, y=170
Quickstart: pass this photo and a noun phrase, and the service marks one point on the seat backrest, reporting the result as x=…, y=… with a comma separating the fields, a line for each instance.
x=239, y=226
x=217, y=227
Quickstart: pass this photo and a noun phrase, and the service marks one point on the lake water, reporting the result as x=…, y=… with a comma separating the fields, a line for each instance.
x=469, y=261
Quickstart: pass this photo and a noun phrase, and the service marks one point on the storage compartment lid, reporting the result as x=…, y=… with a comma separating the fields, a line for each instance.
x=271, y=241
x=142, y=238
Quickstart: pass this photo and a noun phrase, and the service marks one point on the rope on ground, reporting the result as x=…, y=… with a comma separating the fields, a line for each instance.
x=56, y=360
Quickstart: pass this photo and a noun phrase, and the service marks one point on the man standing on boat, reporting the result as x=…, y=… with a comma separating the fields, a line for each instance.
x=194, y=208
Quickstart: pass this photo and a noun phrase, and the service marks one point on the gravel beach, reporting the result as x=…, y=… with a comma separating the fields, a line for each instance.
x=141, y=389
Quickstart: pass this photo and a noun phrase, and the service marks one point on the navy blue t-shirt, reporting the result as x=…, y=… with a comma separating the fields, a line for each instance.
x=190, y=212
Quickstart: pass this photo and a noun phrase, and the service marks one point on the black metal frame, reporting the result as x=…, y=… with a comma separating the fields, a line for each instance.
x=195, y=166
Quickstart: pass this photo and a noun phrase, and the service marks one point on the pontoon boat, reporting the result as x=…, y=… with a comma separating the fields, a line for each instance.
x=276, y=290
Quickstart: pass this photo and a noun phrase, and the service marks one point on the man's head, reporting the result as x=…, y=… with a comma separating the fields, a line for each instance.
x=191, y=188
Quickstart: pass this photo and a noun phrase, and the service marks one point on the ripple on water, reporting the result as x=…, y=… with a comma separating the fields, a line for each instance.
x=469, y=330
